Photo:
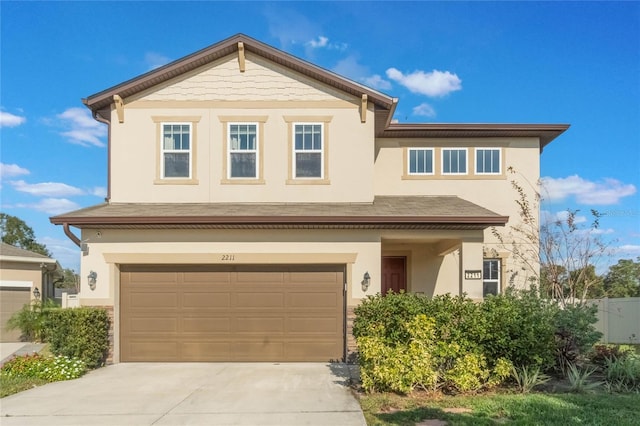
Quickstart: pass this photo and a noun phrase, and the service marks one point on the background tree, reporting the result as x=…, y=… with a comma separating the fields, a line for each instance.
x=70, y=280
x=559, y=254
x=623, y=279
x=16, y=232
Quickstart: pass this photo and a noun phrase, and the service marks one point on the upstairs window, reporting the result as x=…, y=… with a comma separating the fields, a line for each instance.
x=488, y=161
x=243, y=151
x=176, y=150
x=491, y=277
x=307, y=150
x=420, y=161
x=454, y=161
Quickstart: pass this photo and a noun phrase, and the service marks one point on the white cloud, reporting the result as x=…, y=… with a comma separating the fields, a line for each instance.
x=82, y=128
x=52, y=205
x=11, y=170
x=377, y=82
x=320, y=42
x=434, y=84
x=64, y=251
x=10, y=120
x=628, y=249
x=99, y=191
x=424, y=110
x=155, y=60
x=605, y=192
x=46, y=189
x=350, y=68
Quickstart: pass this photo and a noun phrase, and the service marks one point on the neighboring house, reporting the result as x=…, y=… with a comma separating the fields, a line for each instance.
x=254, y=199
x=25, y=276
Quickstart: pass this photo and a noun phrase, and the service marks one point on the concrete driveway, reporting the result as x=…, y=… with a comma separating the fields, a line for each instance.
x=192, y=394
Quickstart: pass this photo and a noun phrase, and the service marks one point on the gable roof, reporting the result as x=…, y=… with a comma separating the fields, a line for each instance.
x=384, y=113
x=387, y=212
x=9, y=252
x=226, y=47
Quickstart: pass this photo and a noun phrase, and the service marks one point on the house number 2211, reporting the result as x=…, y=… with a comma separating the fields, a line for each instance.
x=228, y=257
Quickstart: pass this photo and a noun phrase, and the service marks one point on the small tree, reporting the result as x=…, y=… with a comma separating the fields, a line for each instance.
x=559, y=254
x=16, y=232
x=623, y=279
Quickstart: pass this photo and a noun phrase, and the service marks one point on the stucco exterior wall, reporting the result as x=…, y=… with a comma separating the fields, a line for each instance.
x=211, y=97
x=520, y=163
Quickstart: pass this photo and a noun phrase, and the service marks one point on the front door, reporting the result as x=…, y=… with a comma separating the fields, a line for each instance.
x=394, y=274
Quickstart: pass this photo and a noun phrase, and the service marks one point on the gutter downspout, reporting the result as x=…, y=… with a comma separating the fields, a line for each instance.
x=71, y=235
x=101, y=119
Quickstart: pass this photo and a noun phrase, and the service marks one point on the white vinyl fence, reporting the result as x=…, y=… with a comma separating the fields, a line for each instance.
x=619, y=319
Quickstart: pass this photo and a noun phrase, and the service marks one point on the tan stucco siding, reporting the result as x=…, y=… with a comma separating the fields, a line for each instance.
x=495, y=193
x=24, y=272
x=261, y=81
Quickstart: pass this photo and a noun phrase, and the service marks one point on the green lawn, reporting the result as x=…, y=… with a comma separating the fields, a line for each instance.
x=11, y=385
x=532, y=409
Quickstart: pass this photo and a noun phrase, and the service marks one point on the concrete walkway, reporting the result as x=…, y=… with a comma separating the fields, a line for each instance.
x=8, y=350
x=192, y=394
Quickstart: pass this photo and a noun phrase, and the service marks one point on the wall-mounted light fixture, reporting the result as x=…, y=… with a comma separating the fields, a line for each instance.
x=92, y=277
x=366, y=280
x=36, y=293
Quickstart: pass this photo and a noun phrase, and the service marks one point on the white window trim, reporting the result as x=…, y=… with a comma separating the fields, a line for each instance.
x=255, y=151
x=433, y=166
x=296, y=151
x=497, y=280
x=466, y=172
x=475, y=161
x=164, y=151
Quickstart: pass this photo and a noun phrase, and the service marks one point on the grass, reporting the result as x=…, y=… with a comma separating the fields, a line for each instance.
x=11, y=385
x=488, y=409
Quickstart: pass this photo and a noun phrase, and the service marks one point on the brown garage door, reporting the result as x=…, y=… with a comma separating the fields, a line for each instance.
x=11, y=301
x=248, y=313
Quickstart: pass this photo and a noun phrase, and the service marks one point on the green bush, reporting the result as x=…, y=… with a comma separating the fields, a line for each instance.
x=518, y=326
x=402, y=367
x=51, y=369
x=623, y=374
x=79, y=332
x=30, y=320
x=599, y=354
x=575, y=334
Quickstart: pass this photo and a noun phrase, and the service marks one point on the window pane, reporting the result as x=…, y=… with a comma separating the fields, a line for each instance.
x=308, y=165
x=495, y=160
x=462, y=162
x=489, y=287
x=446, y=155
x=176, y=165
x=243, y=165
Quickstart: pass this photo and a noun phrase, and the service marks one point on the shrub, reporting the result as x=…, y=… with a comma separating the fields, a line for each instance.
x=519, y=327
x=469, y=373
x=388, y=314
x=528, y=377
x=599, y=354
x=30, y=320
x=623, y=374
x=51, y=369
x=575, y=334
x=80, y=332
x=402, y=367
x=579, y=380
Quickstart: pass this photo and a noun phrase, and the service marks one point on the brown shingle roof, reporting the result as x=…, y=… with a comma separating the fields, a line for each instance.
x=9, y=250
x=385, y=211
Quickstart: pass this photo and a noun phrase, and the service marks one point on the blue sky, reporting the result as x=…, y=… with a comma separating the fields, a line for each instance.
x=496, y=62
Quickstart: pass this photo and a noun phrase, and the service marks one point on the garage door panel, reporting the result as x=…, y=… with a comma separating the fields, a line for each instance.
x=237, y=313
x=315, y=300
x=206, y=325
x=259, y=325
x=313, y=325
x=206, y=278
x=211, y=300
x=260, y=300
x=156, y=324
x=12, y=300
x=153, y=350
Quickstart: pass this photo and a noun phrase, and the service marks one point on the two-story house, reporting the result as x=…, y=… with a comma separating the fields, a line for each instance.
x=255, y=198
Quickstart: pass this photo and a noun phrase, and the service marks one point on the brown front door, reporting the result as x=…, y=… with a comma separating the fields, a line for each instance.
x=394, y=274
